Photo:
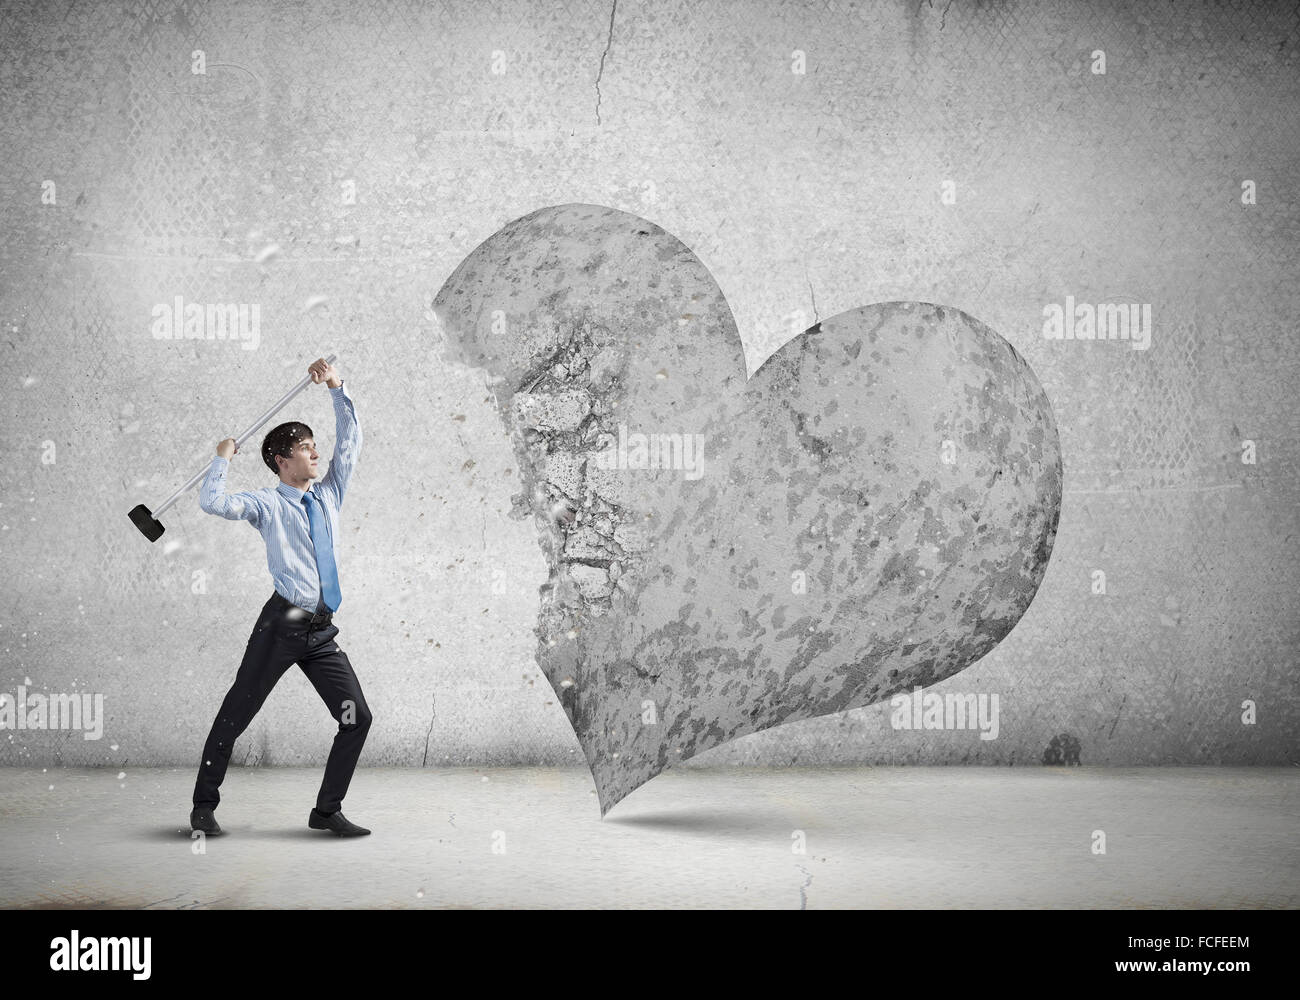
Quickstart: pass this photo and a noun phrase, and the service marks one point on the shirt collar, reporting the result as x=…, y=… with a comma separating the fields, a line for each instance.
x=292, y=492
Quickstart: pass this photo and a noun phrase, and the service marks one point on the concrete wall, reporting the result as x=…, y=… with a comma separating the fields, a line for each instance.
x=336, y=161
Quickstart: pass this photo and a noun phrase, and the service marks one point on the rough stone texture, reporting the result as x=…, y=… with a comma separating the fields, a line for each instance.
x=871, y=512
x=804, y=195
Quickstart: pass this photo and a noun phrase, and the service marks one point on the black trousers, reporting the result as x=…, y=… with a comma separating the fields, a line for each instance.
x=283, y=636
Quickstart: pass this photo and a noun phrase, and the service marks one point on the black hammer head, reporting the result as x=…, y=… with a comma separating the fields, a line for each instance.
x=144, y=520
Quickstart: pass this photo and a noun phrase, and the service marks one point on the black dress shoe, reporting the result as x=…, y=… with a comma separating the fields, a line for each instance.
x=336, y=823
x=202, y=819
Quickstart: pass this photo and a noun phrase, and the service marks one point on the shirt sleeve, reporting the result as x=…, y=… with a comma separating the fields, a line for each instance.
x=213, y=498
x=347, y=445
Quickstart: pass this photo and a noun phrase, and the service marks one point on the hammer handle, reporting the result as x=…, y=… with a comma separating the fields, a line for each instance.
x=284, y=400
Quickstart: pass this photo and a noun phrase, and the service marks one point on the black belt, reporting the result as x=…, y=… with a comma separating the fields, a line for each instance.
x=313, y=618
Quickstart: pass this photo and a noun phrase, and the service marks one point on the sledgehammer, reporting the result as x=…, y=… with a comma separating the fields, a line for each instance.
x=147, y=521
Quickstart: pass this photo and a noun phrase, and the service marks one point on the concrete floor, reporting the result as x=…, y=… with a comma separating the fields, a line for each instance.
x=875, y=837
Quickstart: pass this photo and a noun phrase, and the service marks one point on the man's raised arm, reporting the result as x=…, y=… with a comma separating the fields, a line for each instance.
x=347, y=444
x=213, y=498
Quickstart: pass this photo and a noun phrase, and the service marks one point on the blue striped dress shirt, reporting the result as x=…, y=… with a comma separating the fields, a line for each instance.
x=279, y=514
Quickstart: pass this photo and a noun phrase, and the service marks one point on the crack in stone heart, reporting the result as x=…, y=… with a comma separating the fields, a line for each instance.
x=873, y=510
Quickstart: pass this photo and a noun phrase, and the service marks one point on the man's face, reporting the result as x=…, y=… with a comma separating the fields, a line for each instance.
x=303, y=464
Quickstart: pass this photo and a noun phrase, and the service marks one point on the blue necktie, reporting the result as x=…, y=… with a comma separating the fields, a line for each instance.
x=320, y=540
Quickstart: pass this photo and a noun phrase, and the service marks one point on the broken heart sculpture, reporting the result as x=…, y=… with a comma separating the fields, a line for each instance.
x=873, y=510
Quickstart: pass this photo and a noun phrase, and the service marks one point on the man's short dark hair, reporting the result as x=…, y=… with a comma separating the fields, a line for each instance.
x=282, y=440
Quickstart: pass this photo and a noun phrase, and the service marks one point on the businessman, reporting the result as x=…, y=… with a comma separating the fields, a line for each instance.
x=299, y=523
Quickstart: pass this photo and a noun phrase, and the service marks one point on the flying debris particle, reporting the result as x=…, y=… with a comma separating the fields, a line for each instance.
x=28, y=382
x=313, y=302
x=267, y=253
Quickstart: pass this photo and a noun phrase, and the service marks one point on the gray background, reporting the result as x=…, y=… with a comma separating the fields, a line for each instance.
x=805, y=195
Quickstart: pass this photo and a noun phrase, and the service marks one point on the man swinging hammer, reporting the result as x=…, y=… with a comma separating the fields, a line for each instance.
x=299, y=523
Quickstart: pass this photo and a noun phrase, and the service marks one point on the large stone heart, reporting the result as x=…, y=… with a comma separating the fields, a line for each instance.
x=872, y=511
